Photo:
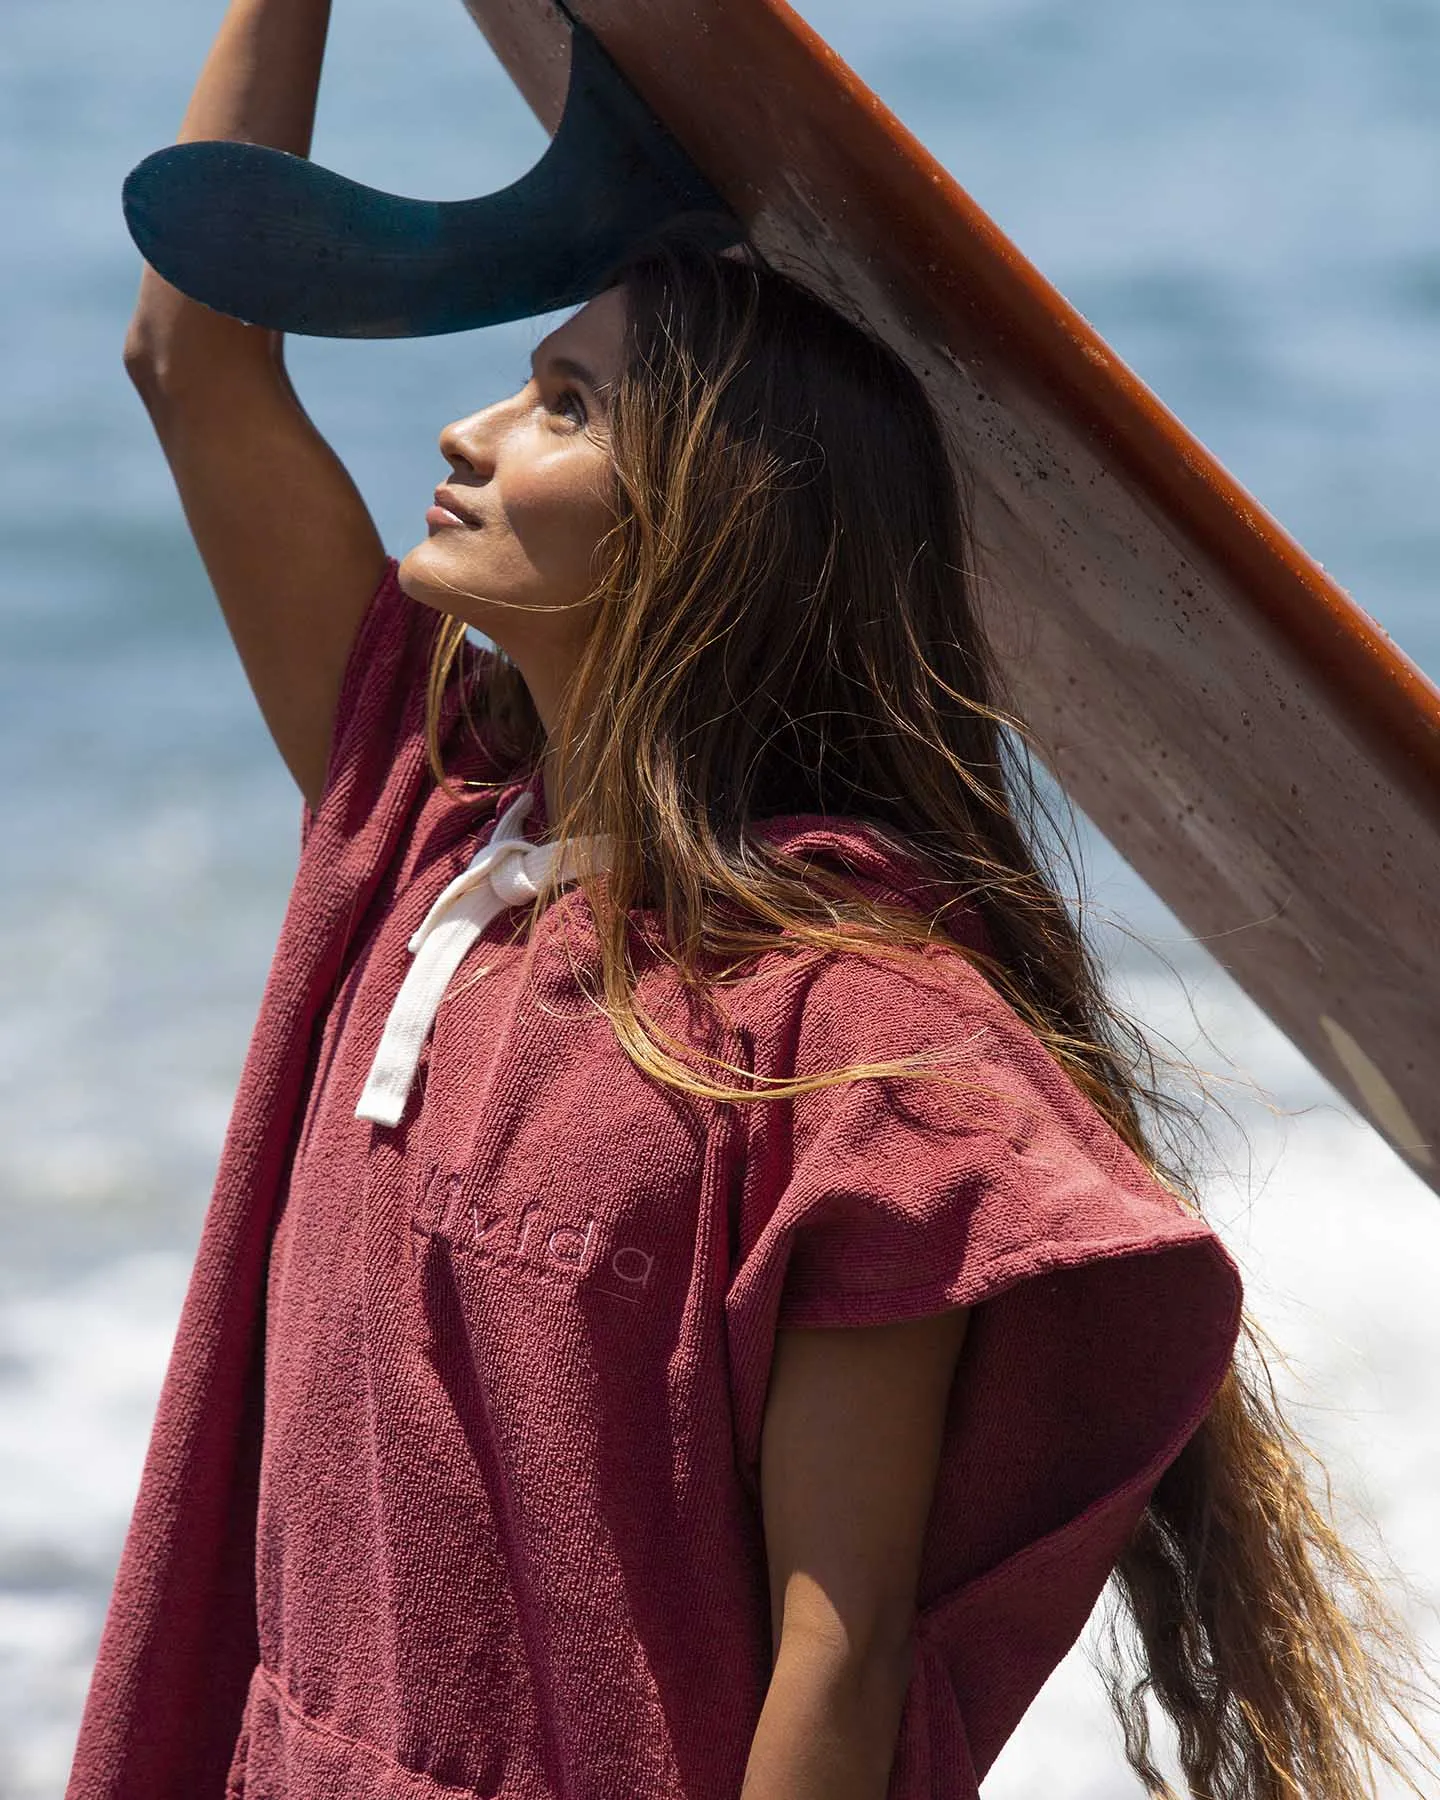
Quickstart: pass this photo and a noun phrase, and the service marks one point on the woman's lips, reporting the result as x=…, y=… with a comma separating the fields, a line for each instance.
x=449, y=510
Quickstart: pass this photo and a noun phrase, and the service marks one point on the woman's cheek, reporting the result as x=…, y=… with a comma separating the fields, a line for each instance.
x=558, y=520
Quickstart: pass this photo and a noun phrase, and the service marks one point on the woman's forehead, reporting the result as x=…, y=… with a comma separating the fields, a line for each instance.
x=594, y=336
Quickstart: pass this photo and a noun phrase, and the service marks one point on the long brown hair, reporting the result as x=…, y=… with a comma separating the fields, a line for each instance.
x=784, y=624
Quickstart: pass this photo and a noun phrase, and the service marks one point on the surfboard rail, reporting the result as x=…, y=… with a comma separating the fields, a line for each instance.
x=1248, y=738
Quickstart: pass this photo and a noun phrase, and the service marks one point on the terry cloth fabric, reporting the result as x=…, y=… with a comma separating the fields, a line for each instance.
x=453, y=1487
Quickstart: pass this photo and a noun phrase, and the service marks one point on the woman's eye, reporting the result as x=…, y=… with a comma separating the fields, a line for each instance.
x=568, y=401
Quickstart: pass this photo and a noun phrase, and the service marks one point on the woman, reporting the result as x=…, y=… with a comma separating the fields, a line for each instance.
x=689, y=1306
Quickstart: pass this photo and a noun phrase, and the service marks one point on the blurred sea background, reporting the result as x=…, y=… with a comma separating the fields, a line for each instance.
x=1241, y=198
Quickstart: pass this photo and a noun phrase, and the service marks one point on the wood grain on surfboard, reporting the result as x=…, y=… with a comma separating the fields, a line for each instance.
x=1251, y=741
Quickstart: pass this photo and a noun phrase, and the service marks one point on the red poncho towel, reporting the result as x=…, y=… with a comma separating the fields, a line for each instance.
x=453, y=1486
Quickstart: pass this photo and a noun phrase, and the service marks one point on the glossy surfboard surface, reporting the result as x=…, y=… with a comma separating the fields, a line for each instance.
x=1244, y=734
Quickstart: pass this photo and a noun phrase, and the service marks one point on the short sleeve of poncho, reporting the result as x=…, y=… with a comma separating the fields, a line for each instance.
x=1104, y=1314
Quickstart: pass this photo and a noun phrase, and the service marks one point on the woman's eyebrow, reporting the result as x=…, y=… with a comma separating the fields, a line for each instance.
x=565, y=365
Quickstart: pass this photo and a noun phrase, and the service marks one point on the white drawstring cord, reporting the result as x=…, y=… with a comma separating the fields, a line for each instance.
x=506, y=871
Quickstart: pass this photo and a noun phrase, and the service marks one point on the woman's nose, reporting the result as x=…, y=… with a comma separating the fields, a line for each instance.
x=466, y=444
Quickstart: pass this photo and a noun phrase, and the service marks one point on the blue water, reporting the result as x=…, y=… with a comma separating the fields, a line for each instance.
x=1241, y=200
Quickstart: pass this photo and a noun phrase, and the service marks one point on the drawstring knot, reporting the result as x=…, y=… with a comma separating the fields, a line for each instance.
x=506, y=871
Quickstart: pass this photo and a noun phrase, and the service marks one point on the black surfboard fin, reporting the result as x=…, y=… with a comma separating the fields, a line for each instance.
x=276, y=240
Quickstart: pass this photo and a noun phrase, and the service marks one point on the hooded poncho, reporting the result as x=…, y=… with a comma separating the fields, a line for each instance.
x=453, y=1486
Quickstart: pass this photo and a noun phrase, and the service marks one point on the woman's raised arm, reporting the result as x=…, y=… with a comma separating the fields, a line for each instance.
x=288, y=543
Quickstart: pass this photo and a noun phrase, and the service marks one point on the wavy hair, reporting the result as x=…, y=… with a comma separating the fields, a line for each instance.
x=784, y=624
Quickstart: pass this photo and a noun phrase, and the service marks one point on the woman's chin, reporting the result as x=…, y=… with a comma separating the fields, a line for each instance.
x=421, y=577
x=425, y=574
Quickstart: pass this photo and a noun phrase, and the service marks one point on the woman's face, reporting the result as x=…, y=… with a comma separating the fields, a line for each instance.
x=512, y=541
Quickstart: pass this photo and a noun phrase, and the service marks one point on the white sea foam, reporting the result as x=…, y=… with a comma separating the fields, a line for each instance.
x=80, y=1372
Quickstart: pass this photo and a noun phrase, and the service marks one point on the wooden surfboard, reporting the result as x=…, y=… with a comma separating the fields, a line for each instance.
x=1244, y=734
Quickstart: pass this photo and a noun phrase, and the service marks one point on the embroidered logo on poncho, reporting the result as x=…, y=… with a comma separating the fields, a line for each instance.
x=547, y=1238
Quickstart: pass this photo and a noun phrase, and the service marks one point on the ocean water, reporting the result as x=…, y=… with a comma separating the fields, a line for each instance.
x=1240, y=199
